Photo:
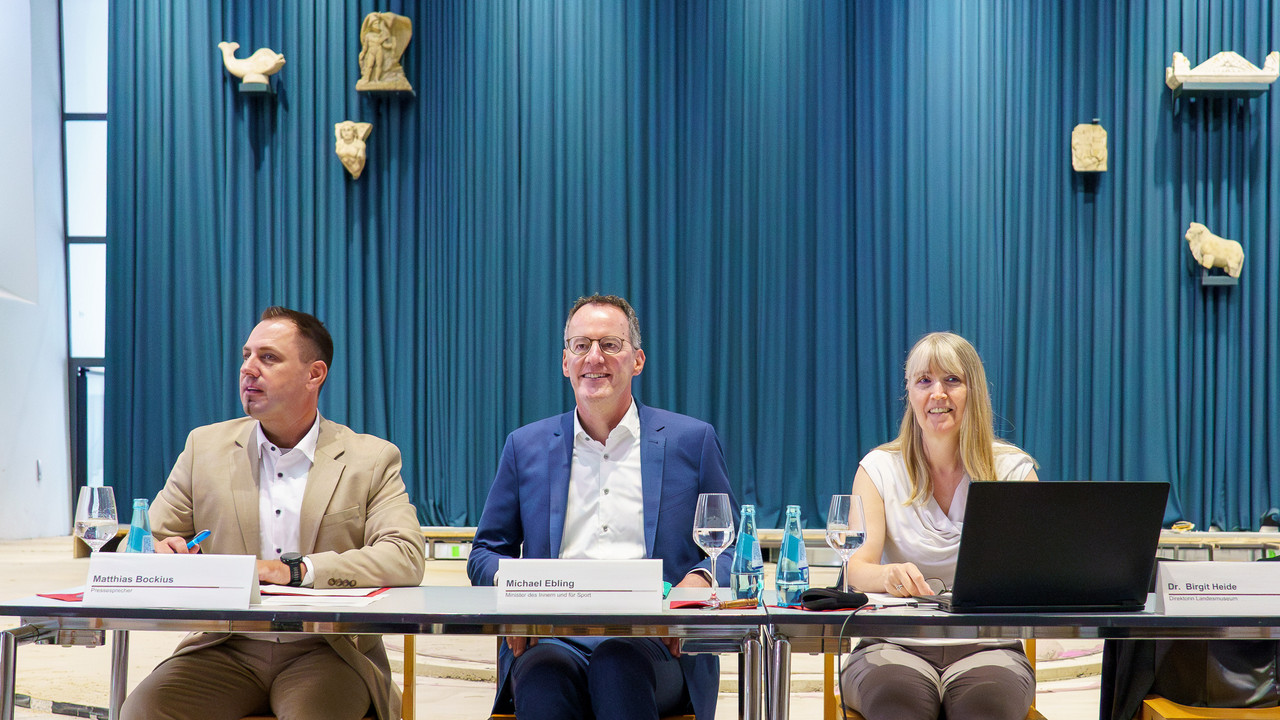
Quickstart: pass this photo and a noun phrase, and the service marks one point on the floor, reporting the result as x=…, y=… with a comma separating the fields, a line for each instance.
x=455, y=674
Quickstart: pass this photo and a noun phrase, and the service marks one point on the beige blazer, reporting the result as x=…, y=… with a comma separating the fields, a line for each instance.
x=357, y=526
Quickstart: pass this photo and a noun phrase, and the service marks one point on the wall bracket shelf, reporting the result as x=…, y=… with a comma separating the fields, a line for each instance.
x=1211, y=279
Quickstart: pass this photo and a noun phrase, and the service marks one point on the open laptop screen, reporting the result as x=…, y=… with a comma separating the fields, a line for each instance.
x=1058, y=546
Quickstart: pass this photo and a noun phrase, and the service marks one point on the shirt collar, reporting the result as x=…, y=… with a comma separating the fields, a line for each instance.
x=307, y=445
x=630, y=422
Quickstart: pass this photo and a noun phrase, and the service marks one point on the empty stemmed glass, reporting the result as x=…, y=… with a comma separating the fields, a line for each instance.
x=96, y=521
x=846, y=530
x=713, y=532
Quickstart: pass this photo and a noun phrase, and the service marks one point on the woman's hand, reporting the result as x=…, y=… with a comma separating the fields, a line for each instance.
x=904, y=580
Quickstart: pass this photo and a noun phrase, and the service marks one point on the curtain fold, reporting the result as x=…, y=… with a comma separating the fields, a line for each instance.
x=789, y=192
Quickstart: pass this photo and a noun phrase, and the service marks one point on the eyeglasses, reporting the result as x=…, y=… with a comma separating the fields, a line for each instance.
x=581, y=344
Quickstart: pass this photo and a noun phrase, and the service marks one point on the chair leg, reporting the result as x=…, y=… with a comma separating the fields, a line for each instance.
x=828, y=687
x=1029, y=645
x=408, y=698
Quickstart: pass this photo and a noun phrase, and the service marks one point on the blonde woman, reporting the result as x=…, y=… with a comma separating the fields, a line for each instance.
x=913, y=490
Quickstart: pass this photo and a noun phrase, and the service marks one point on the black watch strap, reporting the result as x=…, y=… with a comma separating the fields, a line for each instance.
x=294, y=561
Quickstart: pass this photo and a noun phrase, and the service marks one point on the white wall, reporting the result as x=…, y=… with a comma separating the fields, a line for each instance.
x=34, y=422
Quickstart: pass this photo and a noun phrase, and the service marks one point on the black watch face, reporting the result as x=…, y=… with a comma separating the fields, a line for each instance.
x=294, y=561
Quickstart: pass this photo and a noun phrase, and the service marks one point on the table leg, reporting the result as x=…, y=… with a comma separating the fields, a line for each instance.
x=8, y=659
x=749, y=676
x=9, y=642
x=780, y=678
x=119, y=671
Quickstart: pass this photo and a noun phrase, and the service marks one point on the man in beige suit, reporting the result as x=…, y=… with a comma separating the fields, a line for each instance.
x=319, y=505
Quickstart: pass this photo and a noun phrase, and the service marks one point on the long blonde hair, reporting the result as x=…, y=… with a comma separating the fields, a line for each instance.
x=949, y=354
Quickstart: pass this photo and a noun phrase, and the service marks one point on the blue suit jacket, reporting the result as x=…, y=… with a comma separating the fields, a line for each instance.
x=680, y=457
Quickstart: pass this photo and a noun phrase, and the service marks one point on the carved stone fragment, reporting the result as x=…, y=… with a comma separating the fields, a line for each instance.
x=253, y=69
x=350, y=136
x=1089, y=148
x=1209, y=250
x=383, y=39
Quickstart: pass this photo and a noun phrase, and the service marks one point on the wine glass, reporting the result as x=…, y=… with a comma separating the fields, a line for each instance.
x=713, y=531
x=846, y=530
x=96, y=516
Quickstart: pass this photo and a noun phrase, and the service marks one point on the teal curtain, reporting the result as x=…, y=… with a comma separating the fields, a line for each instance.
x=790, y=192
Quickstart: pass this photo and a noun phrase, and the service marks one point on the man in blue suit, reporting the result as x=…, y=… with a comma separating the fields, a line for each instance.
x=611, y=480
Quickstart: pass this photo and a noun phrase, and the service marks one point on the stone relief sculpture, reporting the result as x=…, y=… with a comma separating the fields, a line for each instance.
x=350, y=136
x=383, y=38
x=1224, y=71
x=1089, y=148
x=1212, y=251
x=253, y=69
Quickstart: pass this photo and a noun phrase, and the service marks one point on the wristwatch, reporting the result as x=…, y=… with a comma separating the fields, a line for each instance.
x=296, y=568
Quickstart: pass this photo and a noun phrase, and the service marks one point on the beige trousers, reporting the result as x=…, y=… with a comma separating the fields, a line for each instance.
x=247, y=676
x=882, y=680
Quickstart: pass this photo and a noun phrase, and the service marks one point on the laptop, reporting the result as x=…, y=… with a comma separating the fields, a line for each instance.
x=1056, y=547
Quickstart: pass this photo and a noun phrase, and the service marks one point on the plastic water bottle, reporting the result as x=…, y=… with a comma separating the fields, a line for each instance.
x=139, y=539
x=748, y=565
x=793, y=563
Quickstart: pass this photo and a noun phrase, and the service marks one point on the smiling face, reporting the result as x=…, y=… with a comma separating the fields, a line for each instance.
x=279, y=378
x=601, y=382
x=937, y=399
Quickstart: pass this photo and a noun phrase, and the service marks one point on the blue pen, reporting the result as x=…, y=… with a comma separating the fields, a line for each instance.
x=199, y=538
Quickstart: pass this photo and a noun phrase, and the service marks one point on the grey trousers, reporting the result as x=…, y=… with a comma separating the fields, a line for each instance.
x=246, y=676
x=881, y=679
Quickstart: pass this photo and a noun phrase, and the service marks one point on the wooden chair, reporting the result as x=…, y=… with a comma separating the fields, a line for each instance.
x=831, y=700
x=1158, y=708
x=407, y=696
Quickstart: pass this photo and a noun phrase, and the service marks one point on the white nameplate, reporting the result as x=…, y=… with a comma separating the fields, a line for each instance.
x=586, y=586
x=206, y=582
x=1218, y=588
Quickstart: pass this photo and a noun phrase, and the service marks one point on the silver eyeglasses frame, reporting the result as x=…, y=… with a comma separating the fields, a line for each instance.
x=607, y=340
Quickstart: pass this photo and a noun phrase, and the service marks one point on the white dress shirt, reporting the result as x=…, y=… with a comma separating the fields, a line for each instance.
x=282, y=481
x=604, y=516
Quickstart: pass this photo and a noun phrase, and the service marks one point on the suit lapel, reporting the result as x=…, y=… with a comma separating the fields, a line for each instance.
x=244, y=486
x=322, y=482
x=652, y=454
x=559, y=455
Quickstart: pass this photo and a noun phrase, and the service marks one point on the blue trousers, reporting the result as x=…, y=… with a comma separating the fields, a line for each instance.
x=618, y=679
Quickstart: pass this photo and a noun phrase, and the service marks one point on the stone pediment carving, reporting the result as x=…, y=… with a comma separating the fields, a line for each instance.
x=1224, y=71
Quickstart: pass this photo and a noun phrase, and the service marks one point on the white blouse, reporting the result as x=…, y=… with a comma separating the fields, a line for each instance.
x=922, y=533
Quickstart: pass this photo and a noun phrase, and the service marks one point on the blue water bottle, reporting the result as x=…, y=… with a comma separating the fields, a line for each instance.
x=793, y=563
x=748, y=564
x=139, y=539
